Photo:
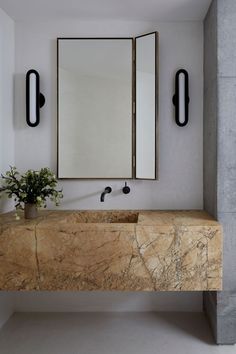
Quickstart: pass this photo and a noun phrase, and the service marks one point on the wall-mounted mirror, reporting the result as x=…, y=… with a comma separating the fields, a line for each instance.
x=95, y=108
x=97, y=134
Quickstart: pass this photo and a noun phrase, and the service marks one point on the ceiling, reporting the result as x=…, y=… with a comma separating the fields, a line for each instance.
x=144, y=10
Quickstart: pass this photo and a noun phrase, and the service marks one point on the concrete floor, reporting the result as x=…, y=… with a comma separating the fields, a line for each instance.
x=109, y=333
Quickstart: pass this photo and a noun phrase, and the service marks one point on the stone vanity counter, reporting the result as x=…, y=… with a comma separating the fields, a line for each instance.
x=111, y=250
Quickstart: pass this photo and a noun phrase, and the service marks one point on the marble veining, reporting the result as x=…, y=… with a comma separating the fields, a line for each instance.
x=111, y=250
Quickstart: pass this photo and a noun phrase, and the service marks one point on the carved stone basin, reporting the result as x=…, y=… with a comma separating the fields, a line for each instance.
x=102, y=217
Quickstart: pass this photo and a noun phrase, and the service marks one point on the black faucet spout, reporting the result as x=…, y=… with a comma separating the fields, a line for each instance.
x=107, y=190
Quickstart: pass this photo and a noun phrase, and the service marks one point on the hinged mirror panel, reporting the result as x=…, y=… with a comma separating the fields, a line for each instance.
x=146, y=105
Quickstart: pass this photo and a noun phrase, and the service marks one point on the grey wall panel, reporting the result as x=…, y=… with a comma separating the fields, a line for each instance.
x=210, y=45
x=226, y=147
x=220, y=156
x=226, y=317
x=228, y=221
x=226, y=20
x=210, y=110
x=210, y=148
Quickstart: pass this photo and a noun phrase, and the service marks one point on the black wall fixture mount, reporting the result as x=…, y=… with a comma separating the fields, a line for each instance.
x=184, y=95
x=126, y=189
x=34, y=99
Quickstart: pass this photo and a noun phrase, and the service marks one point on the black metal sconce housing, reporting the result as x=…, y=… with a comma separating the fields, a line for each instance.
x=181, y=98
x=34, y=99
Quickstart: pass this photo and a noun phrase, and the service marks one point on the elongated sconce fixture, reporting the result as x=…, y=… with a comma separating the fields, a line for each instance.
x=181, y=98
x=34, y=99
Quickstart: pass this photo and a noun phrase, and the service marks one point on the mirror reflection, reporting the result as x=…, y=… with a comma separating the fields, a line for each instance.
x=95, y=108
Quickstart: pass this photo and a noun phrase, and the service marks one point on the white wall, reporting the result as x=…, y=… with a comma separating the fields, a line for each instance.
x=7, y=68
x=180, y=171
x=180, y=155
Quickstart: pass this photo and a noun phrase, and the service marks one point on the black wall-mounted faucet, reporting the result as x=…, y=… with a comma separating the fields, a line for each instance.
x=107, y=190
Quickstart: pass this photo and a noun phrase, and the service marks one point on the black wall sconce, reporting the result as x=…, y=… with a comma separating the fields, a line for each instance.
x=181, y=98
x=34, y=99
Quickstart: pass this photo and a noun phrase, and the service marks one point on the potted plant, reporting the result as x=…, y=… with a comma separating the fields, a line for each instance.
x=31, y=189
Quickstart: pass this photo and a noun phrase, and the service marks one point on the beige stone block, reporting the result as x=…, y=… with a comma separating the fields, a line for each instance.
x=18, y=260
x=111, y=250
x=90, y=257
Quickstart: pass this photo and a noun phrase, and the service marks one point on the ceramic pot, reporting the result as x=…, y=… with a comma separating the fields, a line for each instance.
x=31, y=211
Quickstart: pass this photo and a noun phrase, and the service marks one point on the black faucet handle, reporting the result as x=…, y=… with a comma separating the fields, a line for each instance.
x=126, y=189
x=108, y=189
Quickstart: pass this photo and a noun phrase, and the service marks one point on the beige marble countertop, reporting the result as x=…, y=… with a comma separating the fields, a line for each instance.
x=145, y=217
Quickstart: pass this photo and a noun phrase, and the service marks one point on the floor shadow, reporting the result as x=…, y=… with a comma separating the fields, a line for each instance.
x=197, y=328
